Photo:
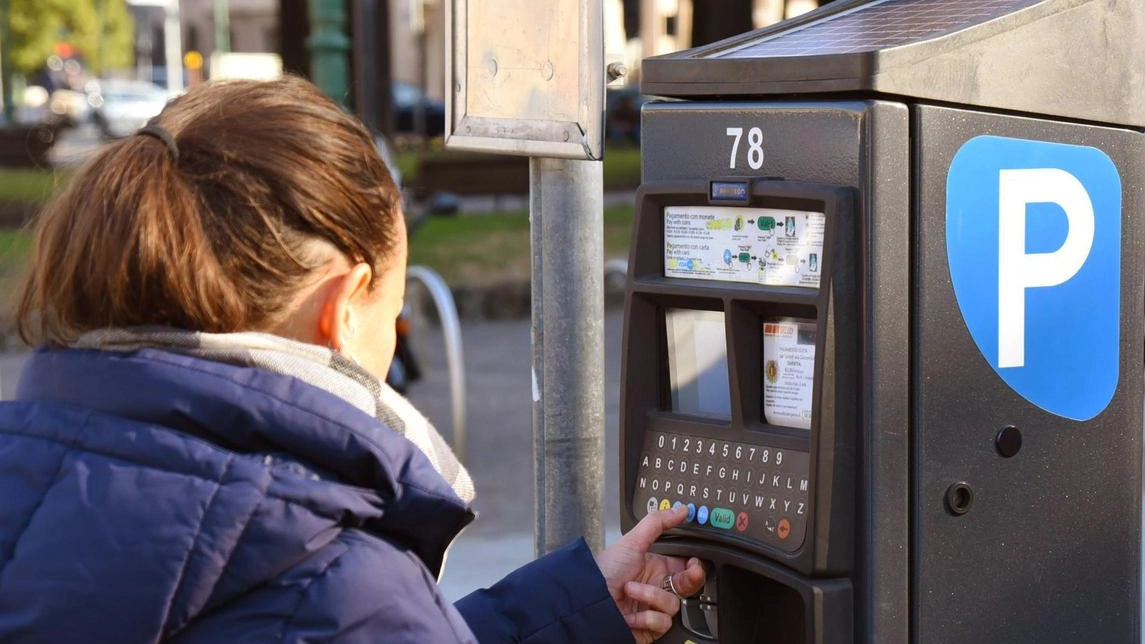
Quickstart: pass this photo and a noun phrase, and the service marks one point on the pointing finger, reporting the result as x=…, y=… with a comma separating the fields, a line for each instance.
x=652, y=525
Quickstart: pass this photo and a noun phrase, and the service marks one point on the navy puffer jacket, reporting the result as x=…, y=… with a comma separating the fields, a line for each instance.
x=151, y=497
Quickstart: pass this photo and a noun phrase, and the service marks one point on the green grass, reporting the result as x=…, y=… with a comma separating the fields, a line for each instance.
x=621, y=168
x=490, y=248
x=617, y=231
x=476, y=249
x=15, y=245
x=29, y=186
x=467, y=250
x=407, y=165
x=621, y=165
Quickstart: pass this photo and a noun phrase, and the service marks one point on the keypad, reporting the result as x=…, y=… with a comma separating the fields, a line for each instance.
x=751, y=491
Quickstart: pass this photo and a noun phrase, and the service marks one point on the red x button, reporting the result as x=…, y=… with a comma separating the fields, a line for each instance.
x=741, y=521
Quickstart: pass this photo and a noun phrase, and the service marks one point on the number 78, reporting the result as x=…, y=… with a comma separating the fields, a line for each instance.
x=754, y=147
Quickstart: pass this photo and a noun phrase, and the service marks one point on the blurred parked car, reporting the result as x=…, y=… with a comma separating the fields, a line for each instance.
x=68, y=107
x=60, y=109
x=408, y=100
x=120, y=107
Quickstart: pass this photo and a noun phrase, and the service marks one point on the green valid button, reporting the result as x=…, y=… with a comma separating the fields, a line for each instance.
x=723, y=518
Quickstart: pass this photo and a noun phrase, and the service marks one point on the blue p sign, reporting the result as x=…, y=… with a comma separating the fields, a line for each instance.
x=1033, y=238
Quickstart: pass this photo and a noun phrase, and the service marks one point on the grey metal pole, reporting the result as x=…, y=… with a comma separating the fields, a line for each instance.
x=567, y=206
x=536, y=244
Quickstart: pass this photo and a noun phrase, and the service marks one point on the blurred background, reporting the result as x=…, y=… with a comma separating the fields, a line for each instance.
x=76, y=74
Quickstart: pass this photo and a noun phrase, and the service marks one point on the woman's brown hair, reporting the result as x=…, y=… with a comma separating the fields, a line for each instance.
x=210, y=233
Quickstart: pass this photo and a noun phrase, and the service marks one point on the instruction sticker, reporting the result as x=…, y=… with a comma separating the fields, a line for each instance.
x=753, y=245
x=788, y=372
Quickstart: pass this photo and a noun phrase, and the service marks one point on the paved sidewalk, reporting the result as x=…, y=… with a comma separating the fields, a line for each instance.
x=497, y=357
x=480, y=561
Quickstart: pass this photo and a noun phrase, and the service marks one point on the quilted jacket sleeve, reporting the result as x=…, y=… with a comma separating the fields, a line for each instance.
x=557, y=599
x=357, y=589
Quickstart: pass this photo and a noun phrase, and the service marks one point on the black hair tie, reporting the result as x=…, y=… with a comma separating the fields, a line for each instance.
x=158, y=131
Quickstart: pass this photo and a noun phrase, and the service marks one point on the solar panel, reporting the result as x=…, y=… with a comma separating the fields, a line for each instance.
x=876, y=25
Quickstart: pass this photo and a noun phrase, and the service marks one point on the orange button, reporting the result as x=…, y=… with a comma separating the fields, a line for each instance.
x=784, y=528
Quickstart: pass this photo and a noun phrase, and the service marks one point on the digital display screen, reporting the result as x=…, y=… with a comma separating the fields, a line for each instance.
x=698, y=362
x=788, y=371
x=729, y=191
x=753, y=245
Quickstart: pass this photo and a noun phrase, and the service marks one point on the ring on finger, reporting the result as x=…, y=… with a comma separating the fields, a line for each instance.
x=668, y=584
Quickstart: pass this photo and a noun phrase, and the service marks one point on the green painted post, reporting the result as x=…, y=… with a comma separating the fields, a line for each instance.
x=329, y=46
x=222, y=26
x=6, y=60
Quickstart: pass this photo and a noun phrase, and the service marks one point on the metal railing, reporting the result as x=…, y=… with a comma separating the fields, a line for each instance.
x=615, y=274
x=451, y=332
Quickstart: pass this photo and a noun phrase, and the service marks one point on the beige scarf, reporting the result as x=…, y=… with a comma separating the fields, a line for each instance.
x=318, y=366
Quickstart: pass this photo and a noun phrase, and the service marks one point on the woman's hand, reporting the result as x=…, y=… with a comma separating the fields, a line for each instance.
x=634, y=575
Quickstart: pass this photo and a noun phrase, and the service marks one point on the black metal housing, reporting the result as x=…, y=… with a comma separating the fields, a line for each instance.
x=930, y=524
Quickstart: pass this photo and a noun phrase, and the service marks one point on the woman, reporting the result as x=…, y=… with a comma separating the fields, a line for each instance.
x=203, y=451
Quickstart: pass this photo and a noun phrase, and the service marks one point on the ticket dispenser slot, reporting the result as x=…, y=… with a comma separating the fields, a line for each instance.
x=739, y=399
x=750, y=600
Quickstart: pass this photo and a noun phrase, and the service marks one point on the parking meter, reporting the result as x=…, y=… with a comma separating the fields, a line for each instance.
x=885, y=318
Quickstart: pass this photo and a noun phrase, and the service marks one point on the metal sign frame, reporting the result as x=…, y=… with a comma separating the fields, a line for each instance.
x=519, y=130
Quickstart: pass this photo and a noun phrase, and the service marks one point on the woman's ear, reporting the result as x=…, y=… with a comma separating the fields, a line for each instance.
x=339, y=317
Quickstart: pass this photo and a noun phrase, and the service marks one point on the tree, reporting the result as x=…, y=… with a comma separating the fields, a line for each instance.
x=38, y=26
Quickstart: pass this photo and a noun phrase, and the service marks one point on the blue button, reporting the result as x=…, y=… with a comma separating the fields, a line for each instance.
x=702, y=515
x=676, y=505
x=691, y=512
